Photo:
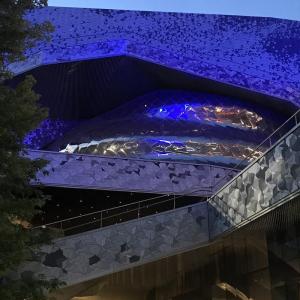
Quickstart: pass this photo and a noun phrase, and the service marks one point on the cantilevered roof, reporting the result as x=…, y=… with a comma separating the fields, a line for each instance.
x=260, y=54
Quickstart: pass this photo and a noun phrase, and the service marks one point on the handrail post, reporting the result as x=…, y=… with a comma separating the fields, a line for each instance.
x=174, y=199
x=210, y=178
x=101, y=219
x=138, y=209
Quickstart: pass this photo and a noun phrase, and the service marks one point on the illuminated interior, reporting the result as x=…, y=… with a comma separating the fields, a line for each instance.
x=214, y=115
x=174, y=125
x=147, y=111
x=152, y=147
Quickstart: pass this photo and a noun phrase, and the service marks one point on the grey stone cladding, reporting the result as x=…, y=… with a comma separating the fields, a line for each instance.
x=270, y=179
x=96, y=253
x=129, y=174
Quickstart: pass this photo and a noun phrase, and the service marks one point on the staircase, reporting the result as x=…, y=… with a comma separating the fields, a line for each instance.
x=269, y=181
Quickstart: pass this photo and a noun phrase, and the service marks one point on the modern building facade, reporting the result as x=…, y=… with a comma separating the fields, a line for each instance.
x=173, y=143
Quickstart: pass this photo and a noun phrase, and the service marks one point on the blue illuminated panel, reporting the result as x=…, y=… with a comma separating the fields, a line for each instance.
x=260, y=54
x=48, y=131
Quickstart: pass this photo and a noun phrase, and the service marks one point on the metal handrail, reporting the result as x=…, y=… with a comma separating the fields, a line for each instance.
x=272, y=145
x=122, y=213
x=172, y=199
x=175, y=197
x=101, y=212
x=271, y=206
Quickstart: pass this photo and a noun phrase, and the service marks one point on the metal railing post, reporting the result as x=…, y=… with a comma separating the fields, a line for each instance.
x=174, y=199
x=139, y=206
x=101, y=219
x=210, y=178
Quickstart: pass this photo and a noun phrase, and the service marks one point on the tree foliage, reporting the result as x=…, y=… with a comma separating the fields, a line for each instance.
x=19, y=113
x=16, y=33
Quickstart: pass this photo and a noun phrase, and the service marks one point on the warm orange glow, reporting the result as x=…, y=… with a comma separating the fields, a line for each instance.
x=231, y=116
x=234, y=291
x=17, y=221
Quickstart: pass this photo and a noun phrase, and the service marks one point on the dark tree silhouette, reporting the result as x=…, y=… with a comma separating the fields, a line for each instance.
x=19, y=113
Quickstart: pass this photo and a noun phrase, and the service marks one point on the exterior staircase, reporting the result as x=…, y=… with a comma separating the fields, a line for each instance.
x=270, y=181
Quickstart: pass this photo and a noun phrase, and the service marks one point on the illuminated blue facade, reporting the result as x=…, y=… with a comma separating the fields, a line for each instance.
x=168, y=104
x=255, y=53
x=137, y=112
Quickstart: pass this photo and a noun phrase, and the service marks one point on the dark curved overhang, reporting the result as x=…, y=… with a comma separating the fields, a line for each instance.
x=84, y=89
